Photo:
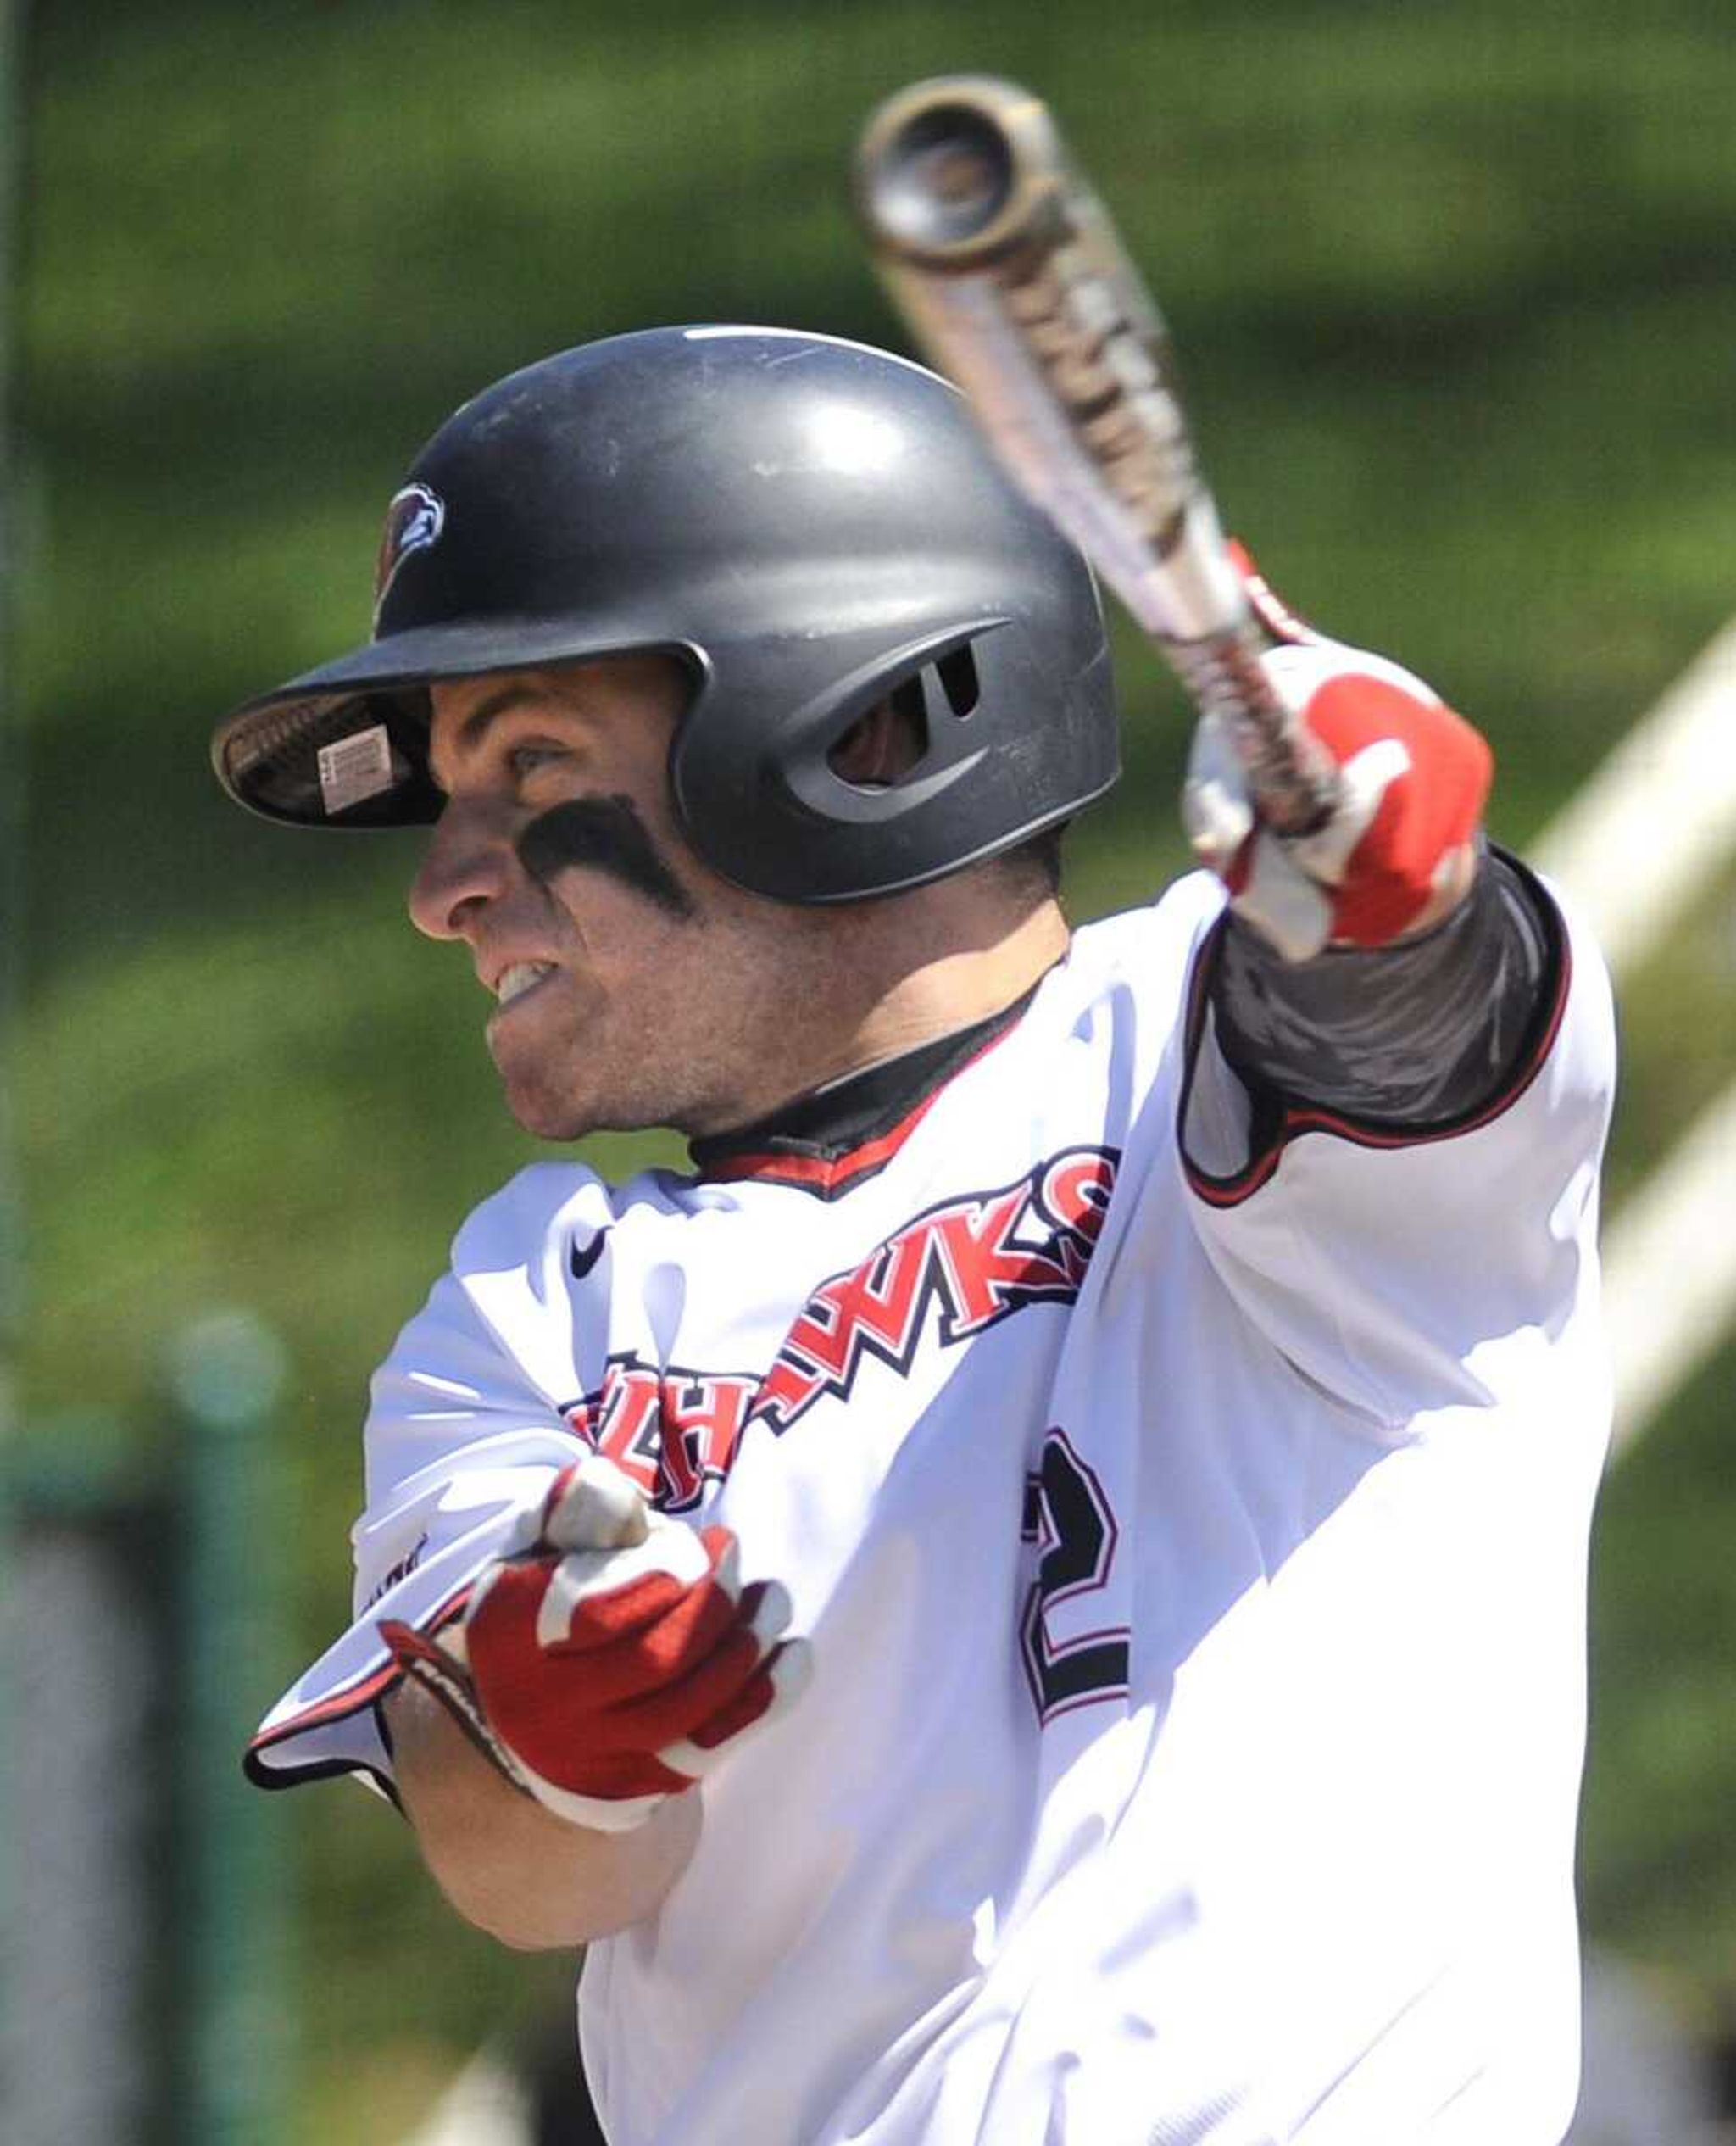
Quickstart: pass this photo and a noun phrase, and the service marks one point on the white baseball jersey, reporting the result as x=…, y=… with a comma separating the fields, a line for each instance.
x=1191, y=1544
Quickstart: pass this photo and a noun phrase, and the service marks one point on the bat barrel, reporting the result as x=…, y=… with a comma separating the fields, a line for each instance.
x=1012, y=276
x=1010, y=273
x=954, y=173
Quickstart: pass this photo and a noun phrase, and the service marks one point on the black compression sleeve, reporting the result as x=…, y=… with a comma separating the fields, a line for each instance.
x=1411, y=1036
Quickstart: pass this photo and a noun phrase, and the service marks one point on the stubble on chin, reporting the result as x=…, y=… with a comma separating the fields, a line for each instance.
x=540, y=1102
x=545, y=1118
x=588, y=1100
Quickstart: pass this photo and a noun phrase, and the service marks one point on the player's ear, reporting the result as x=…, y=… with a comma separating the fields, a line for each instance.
x=882, y=747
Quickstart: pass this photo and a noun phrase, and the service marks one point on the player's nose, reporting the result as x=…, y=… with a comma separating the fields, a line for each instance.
x=465, y=867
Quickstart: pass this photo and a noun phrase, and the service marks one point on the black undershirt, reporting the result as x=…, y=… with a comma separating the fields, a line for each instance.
x=861, y=1108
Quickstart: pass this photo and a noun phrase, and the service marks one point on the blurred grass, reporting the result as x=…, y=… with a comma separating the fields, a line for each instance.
x=1453, y=290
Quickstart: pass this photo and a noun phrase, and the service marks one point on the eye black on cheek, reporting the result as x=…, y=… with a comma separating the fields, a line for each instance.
x=601, y=834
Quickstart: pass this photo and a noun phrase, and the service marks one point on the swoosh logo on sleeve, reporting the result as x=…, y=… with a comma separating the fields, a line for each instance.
x=582, y=1259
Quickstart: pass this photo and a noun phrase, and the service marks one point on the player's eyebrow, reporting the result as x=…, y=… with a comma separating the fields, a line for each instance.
x=488, y=711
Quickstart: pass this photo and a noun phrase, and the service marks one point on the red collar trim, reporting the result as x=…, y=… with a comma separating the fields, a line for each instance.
x=829, y=1176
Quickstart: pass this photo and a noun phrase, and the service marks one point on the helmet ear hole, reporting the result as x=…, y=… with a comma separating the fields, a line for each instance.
x=957, y=673
x=910, y=709
x=892, y=741
x=886, y=743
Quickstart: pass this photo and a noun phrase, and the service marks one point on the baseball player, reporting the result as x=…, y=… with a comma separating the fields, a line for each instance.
x=1035, y=1593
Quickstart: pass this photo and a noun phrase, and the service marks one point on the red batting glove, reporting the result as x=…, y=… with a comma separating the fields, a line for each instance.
x=611, y=1667
x=1415, y=778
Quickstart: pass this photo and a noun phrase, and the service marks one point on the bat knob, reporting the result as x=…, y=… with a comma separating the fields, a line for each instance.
x=952, y=170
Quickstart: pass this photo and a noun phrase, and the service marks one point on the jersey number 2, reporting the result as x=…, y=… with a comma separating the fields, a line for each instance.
x=1068, y=1515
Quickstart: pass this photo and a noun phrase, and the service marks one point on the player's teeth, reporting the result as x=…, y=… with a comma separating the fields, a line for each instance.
x=520, y=977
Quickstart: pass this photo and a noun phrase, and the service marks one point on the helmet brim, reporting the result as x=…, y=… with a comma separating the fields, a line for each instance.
x=346, y=743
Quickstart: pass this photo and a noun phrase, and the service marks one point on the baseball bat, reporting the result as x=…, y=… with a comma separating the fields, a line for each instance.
x=1010, y=274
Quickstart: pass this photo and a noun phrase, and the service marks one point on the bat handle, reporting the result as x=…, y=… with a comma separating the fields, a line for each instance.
x=1294, y=781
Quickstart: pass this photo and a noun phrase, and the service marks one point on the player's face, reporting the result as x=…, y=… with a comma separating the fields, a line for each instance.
x=632, y=986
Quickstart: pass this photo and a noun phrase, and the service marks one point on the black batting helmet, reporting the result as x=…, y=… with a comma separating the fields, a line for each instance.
x=808, y=525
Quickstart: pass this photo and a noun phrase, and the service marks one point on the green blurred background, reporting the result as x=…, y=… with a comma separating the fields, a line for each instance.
x=1454, y=288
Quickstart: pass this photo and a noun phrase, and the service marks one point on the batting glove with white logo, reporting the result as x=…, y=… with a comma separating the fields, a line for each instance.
x=613, y=1665
x=1414, y=777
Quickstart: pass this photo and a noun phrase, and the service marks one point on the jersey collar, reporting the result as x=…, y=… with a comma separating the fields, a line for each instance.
x=828, y=1141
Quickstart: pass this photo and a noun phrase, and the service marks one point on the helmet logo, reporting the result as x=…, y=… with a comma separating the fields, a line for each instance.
x=413, y=522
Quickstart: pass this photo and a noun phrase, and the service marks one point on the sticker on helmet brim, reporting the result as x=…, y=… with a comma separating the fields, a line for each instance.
x=354, y=768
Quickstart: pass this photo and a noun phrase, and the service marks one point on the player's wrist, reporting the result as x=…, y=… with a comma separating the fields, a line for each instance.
x=1398, y=854
x=505, y=1862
